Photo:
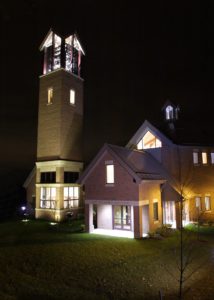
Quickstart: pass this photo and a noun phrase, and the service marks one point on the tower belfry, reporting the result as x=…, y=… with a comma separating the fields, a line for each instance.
x=60, y=118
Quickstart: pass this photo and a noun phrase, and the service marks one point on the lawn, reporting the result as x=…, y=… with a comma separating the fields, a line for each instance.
x=41, y=261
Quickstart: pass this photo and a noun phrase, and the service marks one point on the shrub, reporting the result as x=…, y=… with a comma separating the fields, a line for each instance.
x=151, y=234
x=165, y=230
x=210, y=223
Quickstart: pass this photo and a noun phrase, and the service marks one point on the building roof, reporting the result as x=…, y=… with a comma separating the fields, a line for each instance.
x=140, y=164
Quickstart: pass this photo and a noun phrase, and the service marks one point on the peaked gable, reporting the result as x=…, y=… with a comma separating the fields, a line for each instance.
x=106, y=149
x=144, y=128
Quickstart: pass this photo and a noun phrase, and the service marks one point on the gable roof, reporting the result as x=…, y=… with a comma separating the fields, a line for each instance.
x=139, y=164
x=147, y=126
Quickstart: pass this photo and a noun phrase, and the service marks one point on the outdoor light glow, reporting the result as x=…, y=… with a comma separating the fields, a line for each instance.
x=52, y=223
x=25, y=220
x=116, y=233
x=23, y=208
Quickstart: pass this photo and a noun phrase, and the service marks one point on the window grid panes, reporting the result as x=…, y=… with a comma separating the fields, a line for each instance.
x=71, y=197
x=48, y=197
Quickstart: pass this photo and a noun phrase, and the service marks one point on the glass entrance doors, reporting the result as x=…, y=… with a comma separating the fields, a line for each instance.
x=169, y=213
x=122, y=217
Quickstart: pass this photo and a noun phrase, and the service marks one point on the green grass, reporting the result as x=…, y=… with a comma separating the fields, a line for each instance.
x=40, y=261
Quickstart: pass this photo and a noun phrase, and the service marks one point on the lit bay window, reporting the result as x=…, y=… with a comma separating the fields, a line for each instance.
x=48, y=197
x=109, y=173
x=207, y=200
x=72, y=97
x=50, y=95
x=195, y=158
x=204, y=158
x=71, y=196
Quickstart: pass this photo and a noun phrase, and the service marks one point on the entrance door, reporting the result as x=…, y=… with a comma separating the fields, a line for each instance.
x=169, y=213
x=122, y=217
x=145, y=219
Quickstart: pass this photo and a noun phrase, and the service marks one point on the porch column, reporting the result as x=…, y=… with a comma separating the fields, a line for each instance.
x=137, y=221
x=89, y=218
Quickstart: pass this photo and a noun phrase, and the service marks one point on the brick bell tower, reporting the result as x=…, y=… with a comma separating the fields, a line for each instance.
x=60, y=118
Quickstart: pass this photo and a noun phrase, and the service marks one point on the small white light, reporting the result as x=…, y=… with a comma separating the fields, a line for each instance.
x=25, y=220
x=23, y=208
x=52, y=223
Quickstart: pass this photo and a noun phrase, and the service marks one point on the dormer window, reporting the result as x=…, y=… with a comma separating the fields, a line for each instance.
x=148, y=141
x=169, y=112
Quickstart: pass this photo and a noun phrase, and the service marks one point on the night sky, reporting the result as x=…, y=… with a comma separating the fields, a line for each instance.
x=138, y=55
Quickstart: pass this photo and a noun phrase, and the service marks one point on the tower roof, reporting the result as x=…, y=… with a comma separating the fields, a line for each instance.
x=72, y=39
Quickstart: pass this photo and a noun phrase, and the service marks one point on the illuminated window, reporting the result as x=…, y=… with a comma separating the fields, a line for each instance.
x=110, y=173
x=212, y=157
x=198, y=202
x=169, y=112
x=195, y=158
x=207, y=203
x=50, y=95
x=149, y=141
x=71, y=196
x=204, y=158
x=155, y=211
x=140, y=145
x=72, y=97
x=48, y=197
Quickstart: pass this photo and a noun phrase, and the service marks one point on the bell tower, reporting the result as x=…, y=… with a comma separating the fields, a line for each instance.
x=60, y=118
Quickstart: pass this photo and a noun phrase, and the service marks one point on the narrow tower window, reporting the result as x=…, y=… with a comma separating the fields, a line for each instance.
x=72, y=97
x=50, y=95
